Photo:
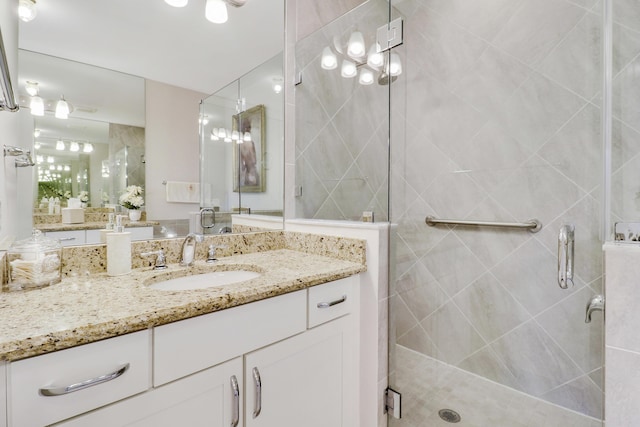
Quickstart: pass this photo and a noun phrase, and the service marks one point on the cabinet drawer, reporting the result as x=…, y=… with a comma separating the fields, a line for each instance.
x=68, y=238
x=331, y=300
x=191, y=345
x=31, y=379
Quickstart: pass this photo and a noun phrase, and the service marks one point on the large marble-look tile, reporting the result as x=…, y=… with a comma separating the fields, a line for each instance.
x=420, y=291
x=417, y=340
x=564, y=322
x=626, y=89
x=576, y=150
x=624, y=144
x=490, y=308
x=537, y=28
x=453, y=265
x=453, y=195
x=311, y=119
x=536, y=361
x=627, y=13
x=453, y=335
x=581, y=395
x=531, y=276
x=415, y=232
x=625, y=202
x=622, y=385
x=312, y=15
x=537, y=190
x=400, y=317
x=373, y=160
x=626, y=44
x=328, y=156
x=314, y=192
x=423, y=162
x=486, y=364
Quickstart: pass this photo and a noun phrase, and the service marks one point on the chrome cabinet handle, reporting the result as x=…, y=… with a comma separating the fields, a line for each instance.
x=66, y=239
x=235, y=416
x=59, y=391
x=258, y=393
x=332, y=303
x=565, y=255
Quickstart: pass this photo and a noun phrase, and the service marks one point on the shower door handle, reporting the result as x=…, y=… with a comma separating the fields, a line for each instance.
x=565, y=255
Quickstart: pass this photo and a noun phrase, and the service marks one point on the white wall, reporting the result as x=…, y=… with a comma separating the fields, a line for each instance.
x=172, y=151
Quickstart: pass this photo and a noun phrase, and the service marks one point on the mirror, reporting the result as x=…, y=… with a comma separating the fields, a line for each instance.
x=92, y=123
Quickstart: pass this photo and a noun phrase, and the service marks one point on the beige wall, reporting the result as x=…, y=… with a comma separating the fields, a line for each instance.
x=171, y=151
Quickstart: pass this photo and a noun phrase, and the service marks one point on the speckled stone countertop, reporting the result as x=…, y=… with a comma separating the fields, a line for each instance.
x=90, y=225
x=89, y=307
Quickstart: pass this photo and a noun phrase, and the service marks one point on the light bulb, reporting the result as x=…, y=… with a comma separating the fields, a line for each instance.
x=67, y=168
x=349, y=69
x=395, y=66
x=87, y=147
x=36, y=145
x=36, y=133
x=375, y=59
x=50, y=159
x=31, y=88
x=39, y=159
x=235, y=136
x=74, y=146
x=329, y=60
x=59, y=167
x=277, y=84
x=60, y=145
x=36, y=106
x=62, y=109
x=177, y=3
x=227, y=139
x=356, y=48
x=52, y=167
x=27, y=10
x=216, y=11
x=246, y=137
x=366, y=77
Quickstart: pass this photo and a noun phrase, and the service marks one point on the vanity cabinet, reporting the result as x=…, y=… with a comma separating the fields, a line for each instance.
x=92, y=237
x=286, y=361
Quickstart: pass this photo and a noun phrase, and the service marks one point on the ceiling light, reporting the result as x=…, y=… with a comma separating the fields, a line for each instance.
x=36, y=105
x=246, y=137
x=27, y=10
x=31, y=88
x=60, y=145
x=62, y=109
x=74, y=146
x=366, y=77
x=177, y=3
x=329, y=60
x=348, y=69
x=356, y=48
x=87, y=147
x=375, y=59
x=216, y=11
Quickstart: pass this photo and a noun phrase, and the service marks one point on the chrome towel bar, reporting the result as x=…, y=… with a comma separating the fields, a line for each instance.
x=533, y=225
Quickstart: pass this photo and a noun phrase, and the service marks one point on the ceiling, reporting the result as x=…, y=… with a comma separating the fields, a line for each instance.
x=150, y=39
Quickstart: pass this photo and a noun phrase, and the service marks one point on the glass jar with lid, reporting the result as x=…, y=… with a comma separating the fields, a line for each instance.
x=34, y=262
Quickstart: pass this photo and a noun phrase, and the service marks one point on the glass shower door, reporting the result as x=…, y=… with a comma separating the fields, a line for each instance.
x=496, y=117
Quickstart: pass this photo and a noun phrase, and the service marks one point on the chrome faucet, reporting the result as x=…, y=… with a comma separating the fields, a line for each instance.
x=189, y=249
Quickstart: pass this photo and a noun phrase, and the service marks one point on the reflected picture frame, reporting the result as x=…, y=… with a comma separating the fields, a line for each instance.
x=249, y=172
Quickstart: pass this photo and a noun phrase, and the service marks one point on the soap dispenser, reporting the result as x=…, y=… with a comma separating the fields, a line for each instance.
x=118, y=250
x=109, y=228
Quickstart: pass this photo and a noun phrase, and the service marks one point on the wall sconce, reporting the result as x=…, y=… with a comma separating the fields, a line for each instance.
x=88, y=148
x=74, y=147
x=62, y=109
x=214, y=10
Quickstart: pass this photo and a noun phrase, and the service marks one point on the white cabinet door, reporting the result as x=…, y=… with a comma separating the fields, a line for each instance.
x=304, y=380
x=205, y=399
x=3, y=394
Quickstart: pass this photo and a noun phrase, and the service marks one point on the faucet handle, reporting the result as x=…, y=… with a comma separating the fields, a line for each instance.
x=161, y=260
x=211, y=255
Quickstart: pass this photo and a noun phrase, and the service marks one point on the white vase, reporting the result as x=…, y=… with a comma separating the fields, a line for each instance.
x=135, y=214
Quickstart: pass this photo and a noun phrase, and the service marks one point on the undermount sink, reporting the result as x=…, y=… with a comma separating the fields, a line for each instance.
x=205, y=280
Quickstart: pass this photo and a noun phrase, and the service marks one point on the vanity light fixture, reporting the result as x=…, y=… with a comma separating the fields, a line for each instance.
x=395, y=66
x=348, y=69
x=36, y=105
x=59, y=145
x=62, y=109
x=366, y=77
x=235, y=136
x=214, y=134
x=246, y=137
x=356, y=48
x=216, y=11
x=36, y=133
x=375, y=59
x=277, y=84
x=87, y=147
x=27, y=10
x=74, y=147
x=31, y=88
x=50, y=159
x=37, y=145
x=67, y=168
x=52, y=167
x=329, y=60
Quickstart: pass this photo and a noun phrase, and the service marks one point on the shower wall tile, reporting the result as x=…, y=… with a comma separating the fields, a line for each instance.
x=537, y=362
x=312, y=15
x=581, y=395
x=423, y=295
x=624, y=144
x=414, y=232
x=622, y=385
x=311, y=122
x=313, y=192
x=627, y=13
x=537, y=28
x=453, y=265
x=580, y=135
x=453, y=195
x=417, y=340
x=626, y=46
x=626, y=90
x=490, y=308
x=486, y=364
x=565, y=323
x=597, y=377
x=625, y=191
x=456, y=338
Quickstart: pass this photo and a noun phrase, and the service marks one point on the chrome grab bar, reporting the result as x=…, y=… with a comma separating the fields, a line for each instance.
x=533, y=225
x=59, y=391
x=565, y=255
x=235, y=414
x=258, y=392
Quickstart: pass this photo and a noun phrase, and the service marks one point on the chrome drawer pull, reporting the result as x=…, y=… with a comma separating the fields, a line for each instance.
x=258, y=391
x=59, y=391
x=332, y=303
x=66, y=239
x=236, y=401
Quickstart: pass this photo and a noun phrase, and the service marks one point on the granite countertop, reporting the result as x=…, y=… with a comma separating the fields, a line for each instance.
x=90, y=225
x=86, y=308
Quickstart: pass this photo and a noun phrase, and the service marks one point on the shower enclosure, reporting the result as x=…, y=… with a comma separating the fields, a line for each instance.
x=501, y=111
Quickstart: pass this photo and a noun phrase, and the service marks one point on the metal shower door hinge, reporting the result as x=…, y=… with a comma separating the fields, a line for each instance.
x=390, y=35
x=393, y=403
